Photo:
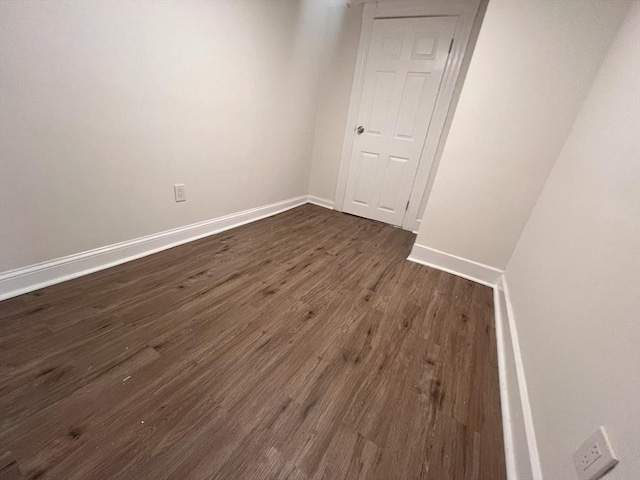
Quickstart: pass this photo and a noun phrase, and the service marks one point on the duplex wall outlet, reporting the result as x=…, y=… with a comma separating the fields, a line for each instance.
x=594, y=457
x=180, y=192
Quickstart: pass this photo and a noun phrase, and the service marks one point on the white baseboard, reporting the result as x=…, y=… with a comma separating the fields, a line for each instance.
x=506, y=371
x=521, y=452
x=322, y=202
x=34, y=277
x=459, y=266
x=523, y=421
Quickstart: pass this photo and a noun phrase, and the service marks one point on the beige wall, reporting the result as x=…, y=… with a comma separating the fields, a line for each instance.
x=333, y=103
x=531, y=68
x=574, y=277
x=105, y=105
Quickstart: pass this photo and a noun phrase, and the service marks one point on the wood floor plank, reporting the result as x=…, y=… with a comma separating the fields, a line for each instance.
x=303, y=346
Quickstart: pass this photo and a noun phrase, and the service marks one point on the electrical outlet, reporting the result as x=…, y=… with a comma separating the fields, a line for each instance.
x=180, y=192
x=595, y=456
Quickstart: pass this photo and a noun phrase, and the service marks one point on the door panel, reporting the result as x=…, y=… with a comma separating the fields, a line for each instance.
x=368, y=163
x=395, y=171
x=414, y=85
x=384, y=84
x=404, y=67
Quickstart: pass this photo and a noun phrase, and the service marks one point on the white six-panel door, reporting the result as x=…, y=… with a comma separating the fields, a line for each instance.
x=404, y=67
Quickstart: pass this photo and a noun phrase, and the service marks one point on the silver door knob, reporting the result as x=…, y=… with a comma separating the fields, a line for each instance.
x=360, y=130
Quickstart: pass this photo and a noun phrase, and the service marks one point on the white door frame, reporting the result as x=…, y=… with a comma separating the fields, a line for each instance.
x=466, y=11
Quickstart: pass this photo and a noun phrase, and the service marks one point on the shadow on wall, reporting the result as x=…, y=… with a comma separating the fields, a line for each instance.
x=336, y=78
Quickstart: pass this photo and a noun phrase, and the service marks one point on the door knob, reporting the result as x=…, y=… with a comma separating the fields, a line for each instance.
x=360, y=130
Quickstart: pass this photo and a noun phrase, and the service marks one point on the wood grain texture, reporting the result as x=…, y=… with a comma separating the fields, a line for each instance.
x=303, y=346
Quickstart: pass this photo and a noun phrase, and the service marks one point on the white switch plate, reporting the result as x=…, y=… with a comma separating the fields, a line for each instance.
x=180, y=192
x=595, y=456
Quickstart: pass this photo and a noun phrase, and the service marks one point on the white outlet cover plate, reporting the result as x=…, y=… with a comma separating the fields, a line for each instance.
x=180, y=192
x=595, y=456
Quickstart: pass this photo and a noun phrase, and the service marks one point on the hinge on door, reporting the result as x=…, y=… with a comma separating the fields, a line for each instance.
x=407, y=207
x=451, y=45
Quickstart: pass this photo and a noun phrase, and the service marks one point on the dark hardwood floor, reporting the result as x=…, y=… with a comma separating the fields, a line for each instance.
x=302, y=346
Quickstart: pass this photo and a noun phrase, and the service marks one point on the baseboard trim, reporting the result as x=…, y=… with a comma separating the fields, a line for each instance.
x=534, y=457
x=27, y=279
x=322, y=202
x=459, y=266
x=505, y=394
x=506, y=337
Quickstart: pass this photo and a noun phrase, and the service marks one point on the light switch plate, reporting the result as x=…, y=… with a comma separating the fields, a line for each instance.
x=595, y=456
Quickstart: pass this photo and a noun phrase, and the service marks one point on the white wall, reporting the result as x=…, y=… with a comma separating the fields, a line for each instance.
x=105, y=105
x=333, y=103
x=532, y=66
x=574, y=277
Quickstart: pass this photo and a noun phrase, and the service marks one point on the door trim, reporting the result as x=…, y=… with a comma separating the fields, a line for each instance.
x=466, y=11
